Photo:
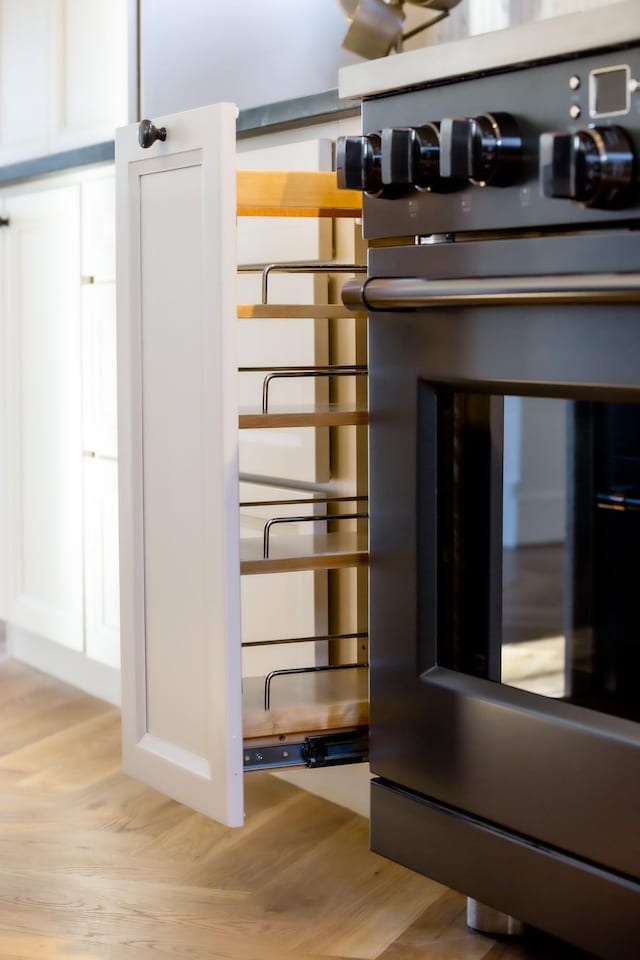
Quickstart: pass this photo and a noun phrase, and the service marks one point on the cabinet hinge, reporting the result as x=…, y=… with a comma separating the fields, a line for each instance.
x=318, y=750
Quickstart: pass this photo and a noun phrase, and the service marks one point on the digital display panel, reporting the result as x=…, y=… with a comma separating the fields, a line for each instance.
x=609, y=91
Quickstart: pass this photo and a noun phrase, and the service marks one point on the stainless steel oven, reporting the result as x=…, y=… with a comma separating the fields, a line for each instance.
x=504, y=371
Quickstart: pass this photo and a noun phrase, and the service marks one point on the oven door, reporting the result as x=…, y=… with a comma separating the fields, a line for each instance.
x=505, y=622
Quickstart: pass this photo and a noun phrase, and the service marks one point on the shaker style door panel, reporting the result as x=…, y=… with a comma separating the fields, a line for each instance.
x=4, y=494
x=63, y=74
x=99, y=414
x=44, y=413
x=178, y=461
x=101, y=587
x=92, y=54
x=27, y=78
x=99, y=226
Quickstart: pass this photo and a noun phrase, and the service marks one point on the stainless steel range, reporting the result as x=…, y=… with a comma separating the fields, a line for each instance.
x=502, y=203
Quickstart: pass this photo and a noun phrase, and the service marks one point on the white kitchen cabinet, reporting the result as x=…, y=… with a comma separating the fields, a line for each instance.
x=58, y=471
x=63, y=74
x=4, y=467
x=179, y=544
x=99, y=226
x=190, y=722
x=99, y=420
x=99, y=401
x=41, y=308
x=101, y=577
x=28, y=36
x=92, y=59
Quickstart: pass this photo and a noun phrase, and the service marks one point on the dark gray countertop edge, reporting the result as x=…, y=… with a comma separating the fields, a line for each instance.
x=286, y=114
x=299, y=112
x=57, y=162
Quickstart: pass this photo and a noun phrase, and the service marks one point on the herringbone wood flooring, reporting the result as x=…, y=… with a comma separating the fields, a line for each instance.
x=94, y=865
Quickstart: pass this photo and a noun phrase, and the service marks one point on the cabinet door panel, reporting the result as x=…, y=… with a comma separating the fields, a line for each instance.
x=27, y=76
x=4, y=494
x=44, y=421
x=99, y=227
x=99, y=414
x=93, y=89
x=102, y=603
x=178, y=457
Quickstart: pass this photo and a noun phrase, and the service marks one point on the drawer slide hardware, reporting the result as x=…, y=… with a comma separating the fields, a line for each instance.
x=318, y=750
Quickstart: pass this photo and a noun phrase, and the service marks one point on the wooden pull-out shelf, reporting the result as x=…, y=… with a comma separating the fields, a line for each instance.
x=321, y=551
x=328, y=415
x=333, y=700
x=286, y=193
x=295, y=311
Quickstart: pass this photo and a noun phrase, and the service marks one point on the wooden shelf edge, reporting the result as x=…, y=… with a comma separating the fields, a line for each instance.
x=306, y=702
x=328, y=551
x=334, y=415
x=291, y=311
x=291, y=193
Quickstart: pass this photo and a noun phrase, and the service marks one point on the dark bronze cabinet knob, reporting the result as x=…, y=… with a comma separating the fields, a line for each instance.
x=148, y=133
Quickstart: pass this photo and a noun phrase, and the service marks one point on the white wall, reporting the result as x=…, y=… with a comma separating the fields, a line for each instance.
x=254, y=52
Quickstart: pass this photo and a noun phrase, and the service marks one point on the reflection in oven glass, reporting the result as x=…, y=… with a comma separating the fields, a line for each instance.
x=570, y=551
x=538, y=543
x=534, y=545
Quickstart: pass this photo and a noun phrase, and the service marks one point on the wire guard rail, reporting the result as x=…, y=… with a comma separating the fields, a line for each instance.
x=245, y=504
x=317, y=638
x=297, y=266
x=297, y=670
x=323, y=519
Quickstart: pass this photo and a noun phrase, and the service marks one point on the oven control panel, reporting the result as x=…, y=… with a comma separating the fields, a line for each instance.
x=536, y=146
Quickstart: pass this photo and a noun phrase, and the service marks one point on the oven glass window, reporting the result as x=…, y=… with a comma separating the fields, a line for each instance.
x=538, y=528
x=534, y=545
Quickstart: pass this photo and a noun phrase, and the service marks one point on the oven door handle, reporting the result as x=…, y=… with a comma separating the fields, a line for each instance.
x=417, y=293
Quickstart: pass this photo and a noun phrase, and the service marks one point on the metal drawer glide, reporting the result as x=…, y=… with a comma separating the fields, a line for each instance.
x=317, y=750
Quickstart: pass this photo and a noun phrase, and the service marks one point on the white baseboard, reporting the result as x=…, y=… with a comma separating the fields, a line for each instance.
x=64, y=664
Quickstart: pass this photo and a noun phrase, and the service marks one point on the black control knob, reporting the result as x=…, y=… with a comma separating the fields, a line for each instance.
x=411, y=157
x=358, y=163
x=594, y=166
x=486, y=149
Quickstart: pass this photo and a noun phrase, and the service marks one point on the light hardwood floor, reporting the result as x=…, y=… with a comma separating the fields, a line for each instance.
x=93, y=865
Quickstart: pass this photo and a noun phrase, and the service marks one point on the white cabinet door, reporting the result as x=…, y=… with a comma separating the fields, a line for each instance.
x=63, y=74
x=42, y=310
x=4, y=497
x=178, y=461
x=28, y=76
x=101, y=588
x=99, y=226
x=99, y=404
x=92, y=58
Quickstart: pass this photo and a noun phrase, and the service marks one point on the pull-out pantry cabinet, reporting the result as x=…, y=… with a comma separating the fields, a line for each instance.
x=190, y=725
